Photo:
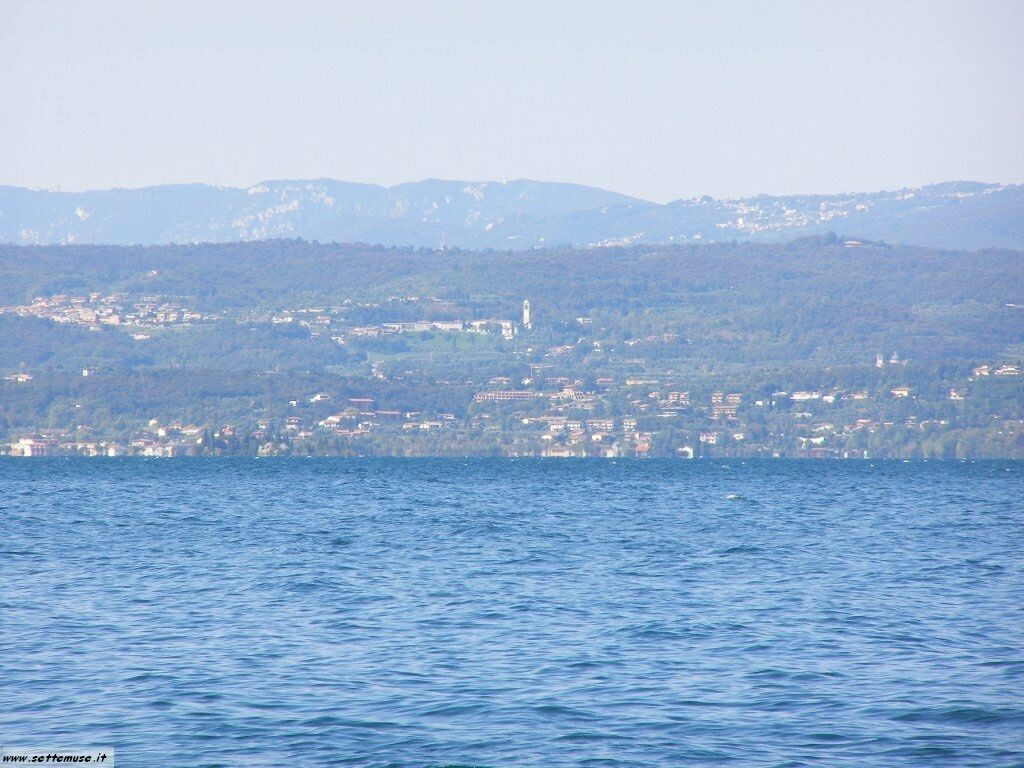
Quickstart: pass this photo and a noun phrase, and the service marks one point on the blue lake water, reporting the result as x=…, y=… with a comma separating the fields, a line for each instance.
x=247, y=612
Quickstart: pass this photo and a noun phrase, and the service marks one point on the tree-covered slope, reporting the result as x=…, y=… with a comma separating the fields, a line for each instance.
x=814, y=299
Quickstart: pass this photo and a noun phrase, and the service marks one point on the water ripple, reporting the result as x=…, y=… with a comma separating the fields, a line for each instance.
x=493, y=613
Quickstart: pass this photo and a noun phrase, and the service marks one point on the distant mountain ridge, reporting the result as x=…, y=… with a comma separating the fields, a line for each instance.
x=503, y=215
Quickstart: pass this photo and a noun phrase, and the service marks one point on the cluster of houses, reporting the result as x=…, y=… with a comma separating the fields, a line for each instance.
x=335, y=320
x=95, y=311
x=155, y=440
x=545, y=415
x=506, y=328
x=1006, y=369
x=361, y=417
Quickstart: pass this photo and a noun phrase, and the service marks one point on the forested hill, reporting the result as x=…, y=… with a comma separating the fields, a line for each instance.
x=818, y=347
x=817, y=298
x=514, y=215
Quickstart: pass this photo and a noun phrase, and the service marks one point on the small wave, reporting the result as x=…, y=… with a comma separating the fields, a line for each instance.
x=557, y=710
x=327, y=721
x=742, y=549
x=739, y=498
x=453, y=710
x=972, y=715
x=769, y=674
x=590, y=736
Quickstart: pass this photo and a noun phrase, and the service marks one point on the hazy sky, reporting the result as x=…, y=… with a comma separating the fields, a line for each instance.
x=657, y=99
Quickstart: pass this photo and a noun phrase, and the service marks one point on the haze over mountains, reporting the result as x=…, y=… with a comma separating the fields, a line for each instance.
x=503, y=215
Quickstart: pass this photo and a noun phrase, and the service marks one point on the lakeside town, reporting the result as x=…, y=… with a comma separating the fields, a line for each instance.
x=812, y=349
x=547, y=412
x=359, y=429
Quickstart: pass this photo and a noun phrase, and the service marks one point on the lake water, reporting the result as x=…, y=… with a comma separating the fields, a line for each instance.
x=247, y=612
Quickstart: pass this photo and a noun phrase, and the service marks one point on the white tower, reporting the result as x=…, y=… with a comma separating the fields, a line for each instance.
x=527, y=322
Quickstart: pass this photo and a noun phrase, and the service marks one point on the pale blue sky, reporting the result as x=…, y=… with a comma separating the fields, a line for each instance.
x=657, y=99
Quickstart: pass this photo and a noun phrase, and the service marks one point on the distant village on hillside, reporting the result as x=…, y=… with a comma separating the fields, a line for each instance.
x=537, y=415
x=824, y=347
